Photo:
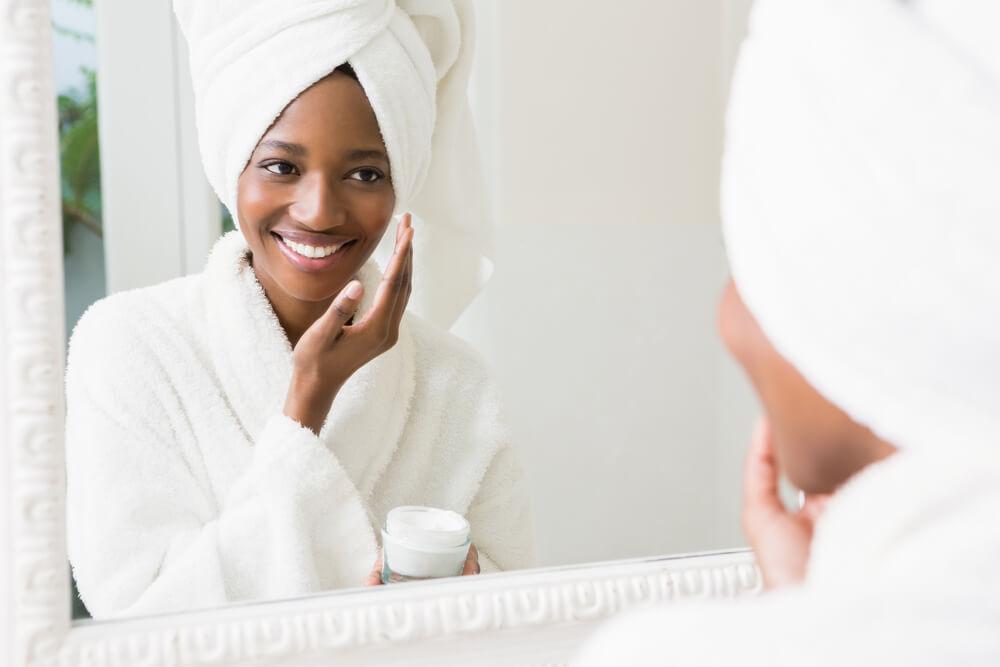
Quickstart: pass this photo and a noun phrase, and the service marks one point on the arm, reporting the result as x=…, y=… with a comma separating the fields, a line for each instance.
x=145, y=530
x=500, y=516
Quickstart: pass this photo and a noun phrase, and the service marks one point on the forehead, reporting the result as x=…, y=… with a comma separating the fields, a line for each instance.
x=334, y=110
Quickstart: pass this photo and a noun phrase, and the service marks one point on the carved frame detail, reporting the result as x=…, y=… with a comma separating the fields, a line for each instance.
x=35, y=626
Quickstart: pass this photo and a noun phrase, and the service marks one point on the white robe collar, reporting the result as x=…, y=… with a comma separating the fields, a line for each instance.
x=253, y=359
x=910, y=518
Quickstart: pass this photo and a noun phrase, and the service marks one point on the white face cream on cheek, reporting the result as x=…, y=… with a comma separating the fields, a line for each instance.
x=423, y=543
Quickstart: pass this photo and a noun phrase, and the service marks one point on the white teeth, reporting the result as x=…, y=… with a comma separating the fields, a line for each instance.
x=311, y=251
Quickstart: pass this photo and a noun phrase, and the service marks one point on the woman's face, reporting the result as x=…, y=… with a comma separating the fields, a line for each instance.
x=818, y=446
x=316, y=196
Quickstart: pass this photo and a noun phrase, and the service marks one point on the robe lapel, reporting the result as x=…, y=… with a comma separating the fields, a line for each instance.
x=253, y=359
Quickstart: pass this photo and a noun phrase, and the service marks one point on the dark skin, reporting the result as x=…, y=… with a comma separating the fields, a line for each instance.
x=320, y=176
x=816, y=444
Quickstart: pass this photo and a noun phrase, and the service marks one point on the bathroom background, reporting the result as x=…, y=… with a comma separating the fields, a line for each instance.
x=601, y=147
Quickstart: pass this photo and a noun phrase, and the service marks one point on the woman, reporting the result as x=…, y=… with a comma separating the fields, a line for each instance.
x=862, y=221
x=241, y=433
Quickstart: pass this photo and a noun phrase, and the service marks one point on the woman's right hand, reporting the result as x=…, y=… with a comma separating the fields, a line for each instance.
x=780, y=539
x=330, y=350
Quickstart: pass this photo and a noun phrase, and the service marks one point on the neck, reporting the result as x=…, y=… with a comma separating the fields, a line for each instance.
x=294, y=315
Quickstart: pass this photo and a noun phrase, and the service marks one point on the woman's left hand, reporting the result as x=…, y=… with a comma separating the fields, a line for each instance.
x=780, y=539
x=471, y=567
x=471, y=562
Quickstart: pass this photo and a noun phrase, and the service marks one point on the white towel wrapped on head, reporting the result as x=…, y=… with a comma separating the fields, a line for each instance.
x=862, y=208
x=250, y=59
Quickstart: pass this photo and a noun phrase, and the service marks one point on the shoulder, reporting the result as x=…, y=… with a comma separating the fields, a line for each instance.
x=125, y=325
x=454, y=382
x=441, y=355
x=131, y=310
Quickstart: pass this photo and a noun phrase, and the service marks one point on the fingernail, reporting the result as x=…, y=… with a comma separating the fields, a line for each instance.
x=353, y=290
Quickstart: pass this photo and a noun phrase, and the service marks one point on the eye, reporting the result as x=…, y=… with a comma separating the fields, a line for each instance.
x=283, y=168
x=366, y=175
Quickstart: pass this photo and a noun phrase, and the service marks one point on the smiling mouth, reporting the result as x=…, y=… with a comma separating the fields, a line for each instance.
x=307, y=251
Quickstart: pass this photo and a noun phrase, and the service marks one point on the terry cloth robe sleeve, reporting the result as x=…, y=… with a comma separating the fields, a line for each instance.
x=146, y=532
x=456, y=452
x=476, y=439
x=499, y=509
x=500, y=517
x=799, y=627
x=901, y=572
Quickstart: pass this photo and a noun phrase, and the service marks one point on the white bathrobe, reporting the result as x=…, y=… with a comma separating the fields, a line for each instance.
x=187, y=487
x=903, y=571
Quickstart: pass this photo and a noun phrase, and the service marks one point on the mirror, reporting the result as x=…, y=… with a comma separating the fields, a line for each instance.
x=596, y=329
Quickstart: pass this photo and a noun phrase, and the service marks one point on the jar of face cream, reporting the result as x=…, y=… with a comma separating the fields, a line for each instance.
x=423, y=543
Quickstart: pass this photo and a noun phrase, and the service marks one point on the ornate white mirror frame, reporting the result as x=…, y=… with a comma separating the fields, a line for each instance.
x=531, y=617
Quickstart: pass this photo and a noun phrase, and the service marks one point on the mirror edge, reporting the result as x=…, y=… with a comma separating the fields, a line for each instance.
x=527, y=617
x=34, y=583
x=538, y=612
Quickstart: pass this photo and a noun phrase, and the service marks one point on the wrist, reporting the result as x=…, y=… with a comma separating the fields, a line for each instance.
x=309, y=402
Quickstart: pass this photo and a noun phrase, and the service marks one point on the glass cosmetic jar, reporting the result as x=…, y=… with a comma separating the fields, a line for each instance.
x=423, y=543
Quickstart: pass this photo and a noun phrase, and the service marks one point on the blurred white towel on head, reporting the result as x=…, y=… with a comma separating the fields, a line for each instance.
x=861, y=204
x=862, y=210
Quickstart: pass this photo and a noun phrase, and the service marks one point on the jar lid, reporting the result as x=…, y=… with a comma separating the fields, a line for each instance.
x=427, y=526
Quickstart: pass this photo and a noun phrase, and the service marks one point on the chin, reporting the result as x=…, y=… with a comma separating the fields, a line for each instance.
x=816, y=471
x=811, y=481
x=313, y=289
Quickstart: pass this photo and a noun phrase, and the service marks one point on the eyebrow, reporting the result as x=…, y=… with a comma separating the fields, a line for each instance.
x=367, y=154
x=299, y=150
x=294, y=149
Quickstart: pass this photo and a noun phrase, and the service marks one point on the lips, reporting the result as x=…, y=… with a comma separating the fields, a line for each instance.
x=312, y=252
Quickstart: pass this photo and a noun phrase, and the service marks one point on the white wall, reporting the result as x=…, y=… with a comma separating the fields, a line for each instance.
x=604, y=141
x=160, y=215
x=602, y=145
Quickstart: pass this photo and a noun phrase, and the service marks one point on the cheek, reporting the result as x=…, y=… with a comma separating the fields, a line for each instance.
x=256, y=205
x=810, y=433
x=253, y=201
x=374, y=214
x=812, y=464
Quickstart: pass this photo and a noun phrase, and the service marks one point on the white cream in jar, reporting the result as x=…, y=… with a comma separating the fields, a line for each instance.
x=423, y=543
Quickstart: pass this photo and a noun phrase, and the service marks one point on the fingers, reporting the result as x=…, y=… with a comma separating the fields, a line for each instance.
x=395, y=283
x=403, y=298
x=342, y=309
x=760, y=472
x=814, y=506
x=471, y=562
x=374, y=578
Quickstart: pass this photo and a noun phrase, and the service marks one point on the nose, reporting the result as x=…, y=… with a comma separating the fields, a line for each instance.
x=317, y=205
